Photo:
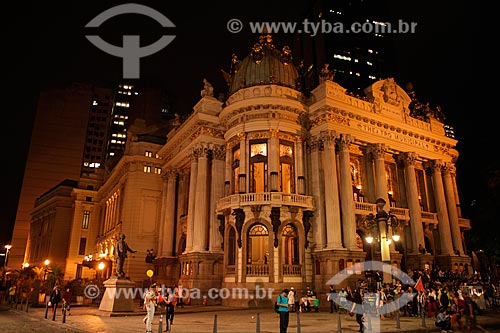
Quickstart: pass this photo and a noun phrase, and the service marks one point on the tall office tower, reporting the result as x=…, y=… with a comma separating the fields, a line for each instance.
x=94, y=154
x=125, y=93
x=357, y=59
x=59, y=139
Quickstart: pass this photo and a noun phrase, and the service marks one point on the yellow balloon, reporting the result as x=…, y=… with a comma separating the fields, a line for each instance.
x=149, y=272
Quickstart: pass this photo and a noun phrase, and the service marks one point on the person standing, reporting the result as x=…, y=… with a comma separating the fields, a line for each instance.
x=149, y=306
x=358, y=308
x=67, y=300
x=54, y=299
x=343, y=299
x=291, y=300
x=282, y=302
x=331, y=297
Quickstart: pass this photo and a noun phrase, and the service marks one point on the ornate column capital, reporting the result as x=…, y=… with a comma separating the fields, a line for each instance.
x=344, y=141
x=433, y=166
x=242, y=136
x=315, y=144
x=377, y=150
x=218, y=152
x=449, y=168
x=328, y=138
x=408, y=158
x=202, y=149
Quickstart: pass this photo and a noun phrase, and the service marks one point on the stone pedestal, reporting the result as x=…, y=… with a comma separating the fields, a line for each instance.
x=118, y=296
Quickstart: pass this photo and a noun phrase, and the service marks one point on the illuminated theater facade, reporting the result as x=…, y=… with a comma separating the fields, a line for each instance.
x=273, y=188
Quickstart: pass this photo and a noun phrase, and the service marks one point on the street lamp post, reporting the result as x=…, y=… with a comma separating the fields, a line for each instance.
x=385, y=225
x=7, y=248
x=46, y=263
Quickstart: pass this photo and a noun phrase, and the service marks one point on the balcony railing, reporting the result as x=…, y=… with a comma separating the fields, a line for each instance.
x=293, y=270
x=365, y=208
x=265, y=198
x=258, y=270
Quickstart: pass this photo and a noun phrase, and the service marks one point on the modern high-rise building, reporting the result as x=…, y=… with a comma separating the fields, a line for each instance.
x=64, y=140
x=358, y=59
x=79, y=130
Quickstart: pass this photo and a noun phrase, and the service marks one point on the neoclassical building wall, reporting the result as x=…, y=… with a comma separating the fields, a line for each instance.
x=272, y=188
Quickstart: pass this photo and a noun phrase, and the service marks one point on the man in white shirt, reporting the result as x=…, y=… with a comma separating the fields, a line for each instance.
x=291, y=300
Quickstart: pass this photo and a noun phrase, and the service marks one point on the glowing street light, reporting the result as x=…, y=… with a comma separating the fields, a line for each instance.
x=6, y=261
x=46, y=263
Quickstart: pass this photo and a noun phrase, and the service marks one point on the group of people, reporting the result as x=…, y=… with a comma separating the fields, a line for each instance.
x=56, y=297
x=162, y=298
x=447, y=297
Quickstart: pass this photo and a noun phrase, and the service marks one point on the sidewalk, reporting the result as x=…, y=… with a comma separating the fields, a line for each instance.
x=221, y=319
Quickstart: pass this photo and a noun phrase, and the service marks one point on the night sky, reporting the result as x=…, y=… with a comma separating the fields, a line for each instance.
x=44, y=44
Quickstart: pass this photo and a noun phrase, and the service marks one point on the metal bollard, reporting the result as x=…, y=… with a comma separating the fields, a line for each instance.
x=64, y=314
x=339, y=324
x=398, y=324
x=215, y=324
x=46, y=309
x=54, y=306
x=257, y=323
x=423, y=319
x=27, y=304
x=21, y=305
x=298, y=322
x=160, y=324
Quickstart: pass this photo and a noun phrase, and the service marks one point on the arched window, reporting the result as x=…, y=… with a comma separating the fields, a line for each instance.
x=257, y=247
x=290, y=245
x=231, y=247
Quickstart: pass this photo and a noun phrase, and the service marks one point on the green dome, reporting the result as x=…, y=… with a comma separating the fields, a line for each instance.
x=264, y=65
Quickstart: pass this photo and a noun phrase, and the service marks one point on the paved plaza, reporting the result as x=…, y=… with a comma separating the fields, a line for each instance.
x=210, y=319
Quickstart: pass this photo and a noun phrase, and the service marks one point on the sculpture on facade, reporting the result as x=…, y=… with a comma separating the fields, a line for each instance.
x=326, y=74
x=122, y=249
x=208, y=89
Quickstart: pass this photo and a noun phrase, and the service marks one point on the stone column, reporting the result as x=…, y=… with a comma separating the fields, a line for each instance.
x=161, y=229
x=201, y=197
x=299, y=166
x=319, y=228
x=442, y=211
x=332, y=204
x=183, y=193
x=243, y=163
x=449, y=168
x=346, y=197
x=216, y=192
x=457, y=198
x=228, y=174
x=168, y=225
x=192, y=201
x=274, y=161
x=378, y=153
x=417, y=231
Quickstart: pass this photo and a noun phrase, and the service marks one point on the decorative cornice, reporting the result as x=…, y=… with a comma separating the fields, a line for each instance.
x=268, y=108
